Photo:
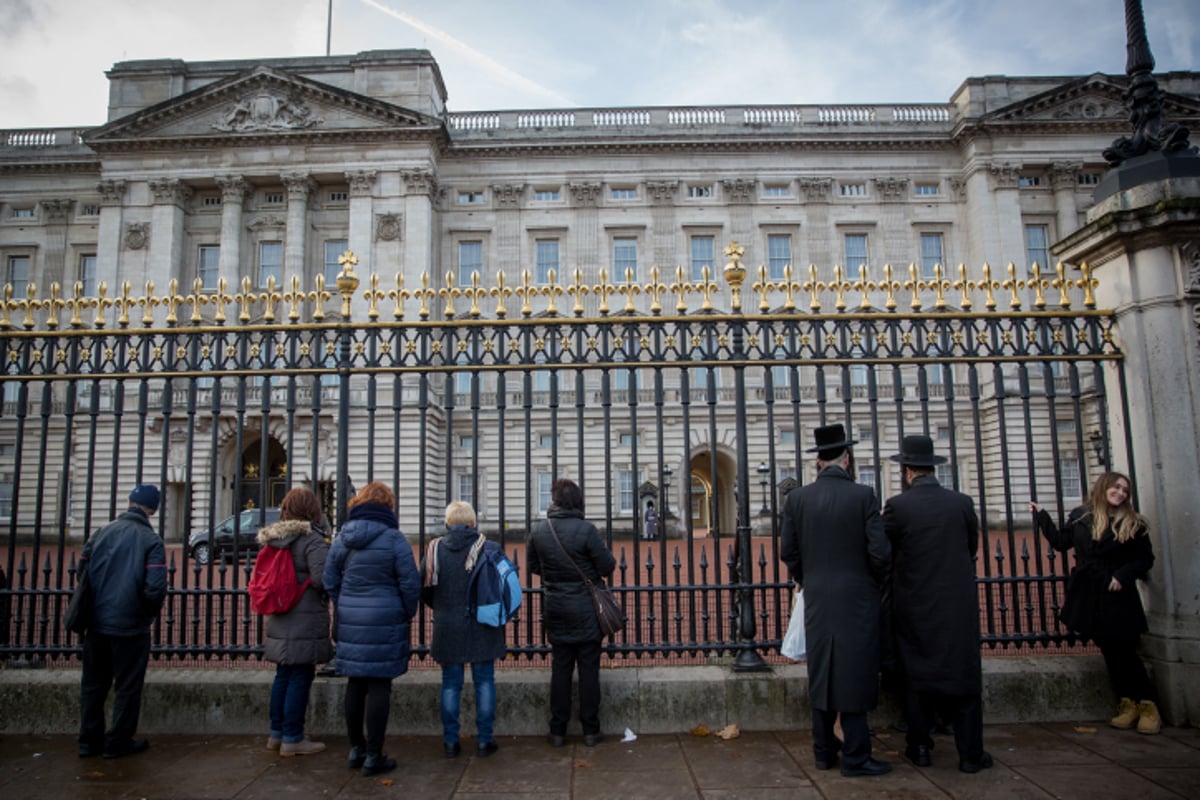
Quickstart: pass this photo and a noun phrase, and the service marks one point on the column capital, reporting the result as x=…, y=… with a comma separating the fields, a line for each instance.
x=585, y=194
x=661, y=193
x=816, y=189
x=419, y=181
x=56, y=211
x=298, y=184
x=508, y=195
x=1063, y=174
x=234, y=188
x=169, y=190
x=1005, y=176
x=892, y=188
x=112, y=192
x=361, y=182
x=738, y=190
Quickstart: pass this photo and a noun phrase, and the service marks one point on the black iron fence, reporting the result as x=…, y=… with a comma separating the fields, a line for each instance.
x=675, y=393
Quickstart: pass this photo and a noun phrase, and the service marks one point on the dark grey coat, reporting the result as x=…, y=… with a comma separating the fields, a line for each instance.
x=935, y=604
x=301, y=636
x=457, y=637
x=833, y=542
x=567, y=611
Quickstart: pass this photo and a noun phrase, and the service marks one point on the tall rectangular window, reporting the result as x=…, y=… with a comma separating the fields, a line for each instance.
x=544, y=481
x=626, y=488
x=702, y=256
x=333, y=251
x=17, y=273
x=1037, y=246
x=779, y=254
x=931, y=253
x=270, y=262
x=1072, y=485
x=470, y=259
x=547, y=259
x=945, y=474
x=208, y=267
x=466, y=489
x=8, y=454
x=87, y=274
x=625, y=257
x=856, y=251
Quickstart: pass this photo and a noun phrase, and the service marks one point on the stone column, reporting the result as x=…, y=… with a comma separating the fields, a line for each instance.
x=586, y=198
x=299, y=185
x=1143, y=245
x=108, y=234
x=165, y=259
x=894, y=234
x=510, y=234
x=1063, y=179
x=55, y=213
x=420, y=188
x=233, y=193
x=816, y=192
x=359, y=237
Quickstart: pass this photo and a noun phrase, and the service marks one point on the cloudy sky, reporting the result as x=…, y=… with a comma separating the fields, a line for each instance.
x=507, y=54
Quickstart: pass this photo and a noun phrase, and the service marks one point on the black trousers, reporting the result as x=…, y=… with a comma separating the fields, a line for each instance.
x=856, y=748
x=965, y=711
x=564, y=658
x=118, y=663
x=368, y=700
x=1126, y=670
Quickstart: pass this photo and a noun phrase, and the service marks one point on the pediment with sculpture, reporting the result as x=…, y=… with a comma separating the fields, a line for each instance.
x=1095, y=98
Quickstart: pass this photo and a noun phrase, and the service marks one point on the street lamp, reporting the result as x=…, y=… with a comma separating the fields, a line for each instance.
x=1099, y=446
x=667, y=472
x=764, y=473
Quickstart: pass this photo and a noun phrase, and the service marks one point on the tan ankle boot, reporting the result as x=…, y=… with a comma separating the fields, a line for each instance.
x=1127, y=715
x=1149, y=721
x=304, y=747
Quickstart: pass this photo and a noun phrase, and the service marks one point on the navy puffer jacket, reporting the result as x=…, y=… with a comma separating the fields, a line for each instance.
x=372, y=577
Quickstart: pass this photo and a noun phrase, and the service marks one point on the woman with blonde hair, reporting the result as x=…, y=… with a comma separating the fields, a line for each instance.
x=458, y=639
x=372, y=577
x=1112, y=551
x=297, y=640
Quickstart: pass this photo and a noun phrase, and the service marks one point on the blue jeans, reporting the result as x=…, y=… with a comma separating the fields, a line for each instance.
x=483, y=675
x=289, y=700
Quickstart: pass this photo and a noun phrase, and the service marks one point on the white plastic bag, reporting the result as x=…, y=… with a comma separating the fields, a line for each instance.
x=794, y=646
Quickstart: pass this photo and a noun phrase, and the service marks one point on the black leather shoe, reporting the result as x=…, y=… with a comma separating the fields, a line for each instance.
x=90, y=750
x=556, y=740
x=377, y=764
x=130, y=748
x=452, y=750
x=919, y=755
x=831, y=758
x=971, y=767
x=592, y=739
x=357, y=756
x=867, y=769
x=485, y=750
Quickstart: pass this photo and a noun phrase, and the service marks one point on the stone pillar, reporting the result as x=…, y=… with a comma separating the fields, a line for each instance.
x=233, y=193
x=1064, y=181
x=299, y=185
x=1143, y=245
x=108, y=234
x=359, y=238
x=166, y=259
x=420, y=187
x=510, y=233
x=55, y=213
x=823, y=240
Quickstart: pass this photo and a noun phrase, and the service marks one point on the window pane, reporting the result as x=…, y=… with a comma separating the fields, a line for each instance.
x=624, y=257
x=87, y=274
x=333, y=250
x=931, y=253
x=1072, y=489
x=627, y=488
x=1036, y=246
x=547, y=259
x=702, y=256
x=270, y=262
x=470, y=259
x=544, y=481
x=779, y=254
x=209, y=266
x=856, y=251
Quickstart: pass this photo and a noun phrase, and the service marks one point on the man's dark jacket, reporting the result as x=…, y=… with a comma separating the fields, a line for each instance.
x=833, y=542
x=935, y=603
x=127, y=566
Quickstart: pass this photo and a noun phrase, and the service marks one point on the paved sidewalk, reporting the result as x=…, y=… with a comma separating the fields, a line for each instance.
x=1032, y=761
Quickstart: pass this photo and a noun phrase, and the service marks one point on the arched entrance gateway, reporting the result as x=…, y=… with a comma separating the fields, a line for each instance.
x=263, y=475
x=712, y=475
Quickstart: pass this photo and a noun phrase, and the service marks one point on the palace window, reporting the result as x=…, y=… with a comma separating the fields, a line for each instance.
x=1088, y=178
x=1037, y=247
x=210, y=201
x=470, y=198
x=466, y=443
x=625, y=256
x=626, y=488
x=852, y=189
x=270, y=263
x=1029, y=181
x=1072, y=486
x=547, y=259
x=466, y=490
x=855, y=251
x=776, y=190
x=8, y=455
x=208, y=265
x=17, y=270
x=334, y=248
x=944, y=474
x=931, y=253
x=89, y=210
x=545, y=195
x=544, y=481
x=470, y=259
x=24, y=212
x=779, y=254
x=339, y=196
x=274, y=198
x=699, y=191
x=547, y=441
x=623, y=193
x=87, y=274
x=627, y=439
x=702, y=248
x=925, y=189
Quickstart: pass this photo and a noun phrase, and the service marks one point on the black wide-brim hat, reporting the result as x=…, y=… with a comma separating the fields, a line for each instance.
x=917, y=451
x=830, y=437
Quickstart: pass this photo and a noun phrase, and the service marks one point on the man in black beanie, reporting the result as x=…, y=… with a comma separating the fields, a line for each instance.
x=127, y=567
x=833, y=542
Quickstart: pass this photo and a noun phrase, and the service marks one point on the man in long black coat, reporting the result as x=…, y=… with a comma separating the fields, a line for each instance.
x=935, y=606
x=833, y=542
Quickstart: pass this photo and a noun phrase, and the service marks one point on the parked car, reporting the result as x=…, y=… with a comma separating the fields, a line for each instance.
x=203, y=545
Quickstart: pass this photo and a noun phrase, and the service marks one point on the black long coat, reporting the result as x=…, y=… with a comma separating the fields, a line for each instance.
x=1090, y=609
x=833, y=542
x=567, y=611
x=935, y=604
x=457, y=637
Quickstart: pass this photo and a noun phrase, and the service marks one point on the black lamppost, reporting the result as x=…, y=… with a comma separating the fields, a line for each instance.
x=764, y=473
x=667, y=472
x=1099, y=446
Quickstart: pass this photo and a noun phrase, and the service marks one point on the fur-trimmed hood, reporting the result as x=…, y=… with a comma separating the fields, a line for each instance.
x=283, y=532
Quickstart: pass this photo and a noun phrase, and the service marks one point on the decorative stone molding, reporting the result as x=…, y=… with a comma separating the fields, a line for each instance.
x=661, y=193
x=361, y=182
x=1006, y=176
x=892, y=188
x=298, y=184
x=508, y=195
x=112, y=192
x=388, y=227
x=1190, y=253
x=137, y=235
x=234, y=188
x=169, y=190
x=266, y=223
x=958, y=185
x=56, y=210
x=738, y=190
x=816, y=189
x=585, y=194
x=1064, y=174
x=265, y=110
x=419, y=181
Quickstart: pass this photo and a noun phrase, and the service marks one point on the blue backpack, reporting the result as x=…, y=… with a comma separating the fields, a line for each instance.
x=494, y=591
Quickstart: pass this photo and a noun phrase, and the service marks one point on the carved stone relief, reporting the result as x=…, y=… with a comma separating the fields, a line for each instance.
x=234, y=188
x=298, y=184
x=266, y=223
x=585, y=194
x=169, y=190
x=662, y=192
x=137, y=235
x=419, y=181
x=816, y=189
x=958, y=186
x=265, y=110
x=1006, y=176
x=1064, y=174
x=738, y=190
x=361, y=182
x=388, y=227
x=111, y=191
x=56, y=210
x=892, y=188
x=508, y=195
x=1190, y=253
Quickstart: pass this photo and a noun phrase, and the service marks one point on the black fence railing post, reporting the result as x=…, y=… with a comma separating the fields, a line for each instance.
x=347, y=283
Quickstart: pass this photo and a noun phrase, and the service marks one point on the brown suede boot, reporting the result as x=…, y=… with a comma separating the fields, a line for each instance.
x=1149, y=722
x=1127, y=715
x=304, y=747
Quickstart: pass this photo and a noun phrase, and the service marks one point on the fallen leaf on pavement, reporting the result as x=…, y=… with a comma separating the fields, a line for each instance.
x=701, y=730
x=1084, y=729
x=730, y=731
